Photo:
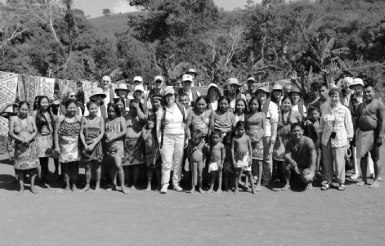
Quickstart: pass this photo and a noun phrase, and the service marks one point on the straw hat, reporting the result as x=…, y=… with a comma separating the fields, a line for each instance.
x=233, y=81
x=98, y=92
x=264, y=89
x=277, y=87
x=122, y=87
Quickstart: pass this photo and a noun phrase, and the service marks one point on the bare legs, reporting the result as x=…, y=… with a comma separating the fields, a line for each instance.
x=117, y=170
x=196, y=177
x=248, y=176
x=98, y=171
x=70, y=171
x=21, y=174
x=150, y=173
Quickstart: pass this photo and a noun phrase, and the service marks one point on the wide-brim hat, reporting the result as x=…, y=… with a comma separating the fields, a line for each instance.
x=347, y=81
x=122, y=87
x=295, y=90
x=98, y=92
x=233, y=81
x=215, y=87
x=264, y=89
x=277, y=87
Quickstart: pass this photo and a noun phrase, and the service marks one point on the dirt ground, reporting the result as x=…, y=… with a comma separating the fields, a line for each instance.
x=52, y=217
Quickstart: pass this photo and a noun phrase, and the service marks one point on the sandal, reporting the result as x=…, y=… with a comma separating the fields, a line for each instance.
x=341, y=187
x=325, y=187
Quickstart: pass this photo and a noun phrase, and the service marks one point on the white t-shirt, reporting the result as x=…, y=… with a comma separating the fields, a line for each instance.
x=173, y=122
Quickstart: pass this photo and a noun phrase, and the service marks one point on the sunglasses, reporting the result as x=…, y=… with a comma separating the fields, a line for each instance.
x=158, y=81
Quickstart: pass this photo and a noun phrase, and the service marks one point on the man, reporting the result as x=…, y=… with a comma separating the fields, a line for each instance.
x=250, y=88
x=322, y=102
x=270, y=110
x=187, y=88
x=106, y=85
x=356, y=97
x=194, y=74
x=300, y=157
x=370, y=123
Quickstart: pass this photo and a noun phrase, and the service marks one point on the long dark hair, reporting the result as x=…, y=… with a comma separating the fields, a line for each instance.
x=197, y=100
x=115, y=107
x=41, y=119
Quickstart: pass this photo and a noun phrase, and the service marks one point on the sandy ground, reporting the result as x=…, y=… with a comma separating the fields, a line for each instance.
x=52, y=217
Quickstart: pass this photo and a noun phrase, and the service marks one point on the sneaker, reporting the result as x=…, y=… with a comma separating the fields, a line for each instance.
x=164, y=189
x=177, y=188
x=341, y=187
x=325, y=186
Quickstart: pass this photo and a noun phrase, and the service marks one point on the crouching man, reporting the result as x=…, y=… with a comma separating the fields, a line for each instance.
x=301, y=157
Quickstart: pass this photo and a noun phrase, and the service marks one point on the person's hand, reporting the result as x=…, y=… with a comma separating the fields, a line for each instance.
x=135, y=104
x=318, y=143
x=379, y=141
x=56, y=152
x=220, y=166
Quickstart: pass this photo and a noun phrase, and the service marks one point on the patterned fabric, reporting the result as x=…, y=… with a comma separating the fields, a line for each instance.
x=152, y=153
x=28, y=88
x=69, y=142
x=25, y=153
x=92, y=131
x=44, y=145
x=65, y=84
x=116, y=147
x=88, y=87
x=47, y=86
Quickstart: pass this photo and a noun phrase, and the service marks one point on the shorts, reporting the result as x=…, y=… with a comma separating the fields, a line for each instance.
x=213, y=167
x=243, y=162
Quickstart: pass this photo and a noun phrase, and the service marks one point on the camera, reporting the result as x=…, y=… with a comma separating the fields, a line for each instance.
x=333, y=135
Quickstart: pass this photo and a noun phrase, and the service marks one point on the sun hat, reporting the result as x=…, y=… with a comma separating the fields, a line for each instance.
x=295, y=90
x=264, y=89
x=233, y=81
x=168, y=90
x=357, y=81
x=138, y=78
x=98, y=92
x=215, y=86
x=250, y=79
x=187, y=77
x=139, y=88
x=277, y=87
x=122, y=87
x=347, y=81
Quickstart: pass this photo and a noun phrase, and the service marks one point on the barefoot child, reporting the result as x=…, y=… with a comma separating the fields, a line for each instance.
x=196, y=157
x=217, y=155
x=240, y=151
x=312, y=126
x=153, y=160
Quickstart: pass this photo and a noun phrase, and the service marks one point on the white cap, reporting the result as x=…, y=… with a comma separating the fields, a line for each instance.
x=159, y=78
x=138, y=78
x=358, y=81
x=187, y=77
x=139, y=88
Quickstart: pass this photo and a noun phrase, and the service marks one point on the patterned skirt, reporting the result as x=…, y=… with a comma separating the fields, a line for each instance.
x=69, y=148
x=44, y=145
x=95, y=155
x=133, y=151
x=257, y=148
x=26, y=157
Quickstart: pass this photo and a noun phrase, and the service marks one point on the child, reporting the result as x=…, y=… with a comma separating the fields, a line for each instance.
x=240, y=152
x=312, y=126
x=196, y=157
x=217, y=155
x=152, y=153
x=185, y=101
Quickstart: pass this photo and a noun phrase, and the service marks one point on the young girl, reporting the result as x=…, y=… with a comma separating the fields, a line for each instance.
x=153, y=160
x=240, y=109
x=196, y=156
x=217, y=155
x=115, y=132
x=22, y=129
x=91, y=133
x=241, y=154
x=223, y=119
x=255, y=123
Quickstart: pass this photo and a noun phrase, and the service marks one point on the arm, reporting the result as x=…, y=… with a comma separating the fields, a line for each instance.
x=159, y=116
x=188, y=127
x=288, y=155
x=381, y=114
x=2, y=109
x=11, y=130
x=123, y=126
x=313, y=158
x=102, y=130
x=223, y=154
x=232, y=152
x=141, y=114
x=320, y=131
x=349, y=124
x=273, y=120
x=250, y=150
x=211, y=124
x=82, y=138
x=58, y=122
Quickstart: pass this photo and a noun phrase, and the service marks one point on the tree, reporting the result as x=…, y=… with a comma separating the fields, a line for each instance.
x=107, y=13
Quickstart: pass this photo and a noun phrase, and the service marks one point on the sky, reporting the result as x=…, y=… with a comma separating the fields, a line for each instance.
x=95, y=7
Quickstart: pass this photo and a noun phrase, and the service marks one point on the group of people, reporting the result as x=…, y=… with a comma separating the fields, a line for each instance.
x=200, y=142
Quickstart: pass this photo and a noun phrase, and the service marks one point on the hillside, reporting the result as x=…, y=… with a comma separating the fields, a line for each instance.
x=115, y=23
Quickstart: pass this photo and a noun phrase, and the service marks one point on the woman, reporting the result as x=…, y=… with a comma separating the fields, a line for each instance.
x=91, y=134
x=171, y=136
x=298, y=105
x=255, y=129
x=199, y=117
x=121, y=105
x=133, y=144
x=213, y=93
x=223, y=119
x=276, y=94
x=22, y=129
x=115, y=132
x=287, y=117
x=44, y=139
x=336, y=132
x=69, y=94
x=67, y=129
